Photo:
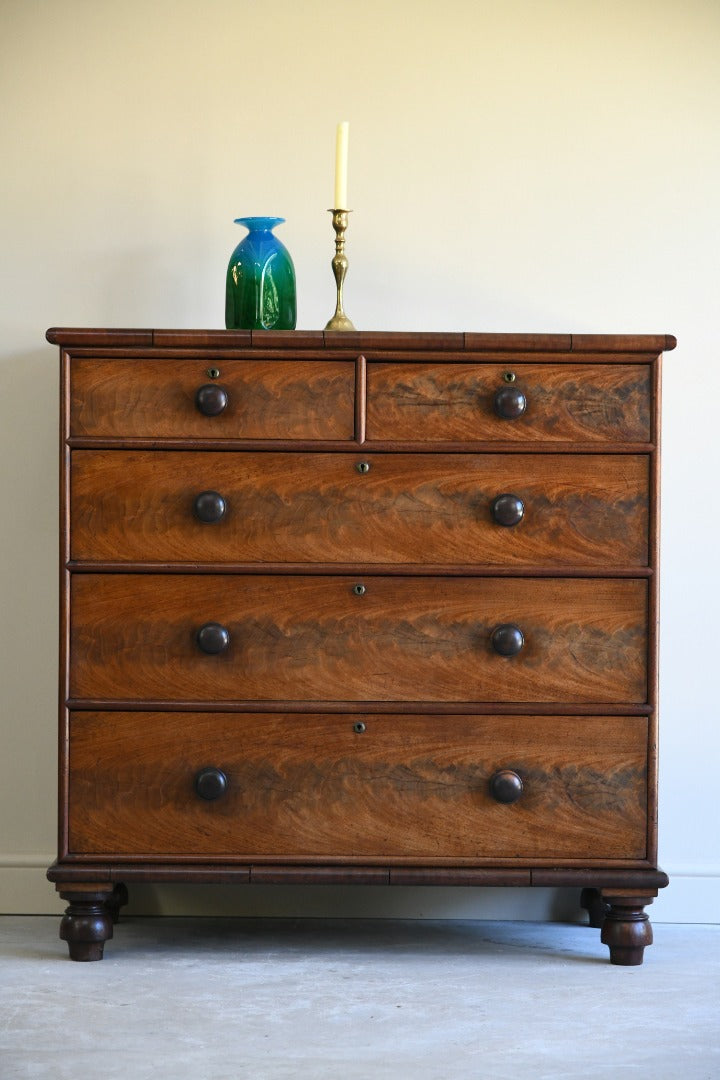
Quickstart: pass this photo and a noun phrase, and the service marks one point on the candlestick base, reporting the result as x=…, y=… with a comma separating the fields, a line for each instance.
x=339, y=321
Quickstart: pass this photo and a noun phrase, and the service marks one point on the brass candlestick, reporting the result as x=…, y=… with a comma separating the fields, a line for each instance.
x=339, y=320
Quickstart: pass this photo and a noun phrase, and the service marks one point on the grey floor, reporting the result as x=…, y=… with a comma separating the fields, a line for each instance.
x=224, y=999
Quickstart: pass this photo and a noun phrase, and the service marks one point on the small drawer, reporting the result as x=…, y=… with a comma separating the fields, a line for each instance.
x=224, y=638
x=585, y=403
x=506, y=510
x=246, y=399
x=425, y=789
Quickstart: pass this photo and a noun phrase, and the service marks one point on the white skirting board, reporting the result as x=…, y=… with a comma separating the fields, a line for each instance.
x=693, y=896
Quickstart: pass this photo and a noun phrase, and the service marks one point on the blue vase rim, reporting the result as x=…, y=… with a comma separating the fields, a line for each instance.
x=259, y=224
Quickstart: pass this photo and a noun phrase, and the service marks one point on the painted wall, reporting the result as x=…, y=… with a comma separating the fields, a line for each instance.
x=539, y=165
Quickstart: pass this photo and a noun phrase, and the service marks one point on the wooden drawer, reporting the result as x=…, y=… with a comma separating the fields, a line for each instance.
x=138, y=506
x=312, y=788
x=585, y=403
x=312, y=638
x=266, y=399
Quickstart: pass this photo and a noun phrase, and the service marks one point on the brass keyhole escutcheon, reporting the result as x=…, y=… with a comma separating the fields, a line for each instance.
x=509, y=376
x=213, y=373
x=363, y=467
x=359, y=590
x=358, y=727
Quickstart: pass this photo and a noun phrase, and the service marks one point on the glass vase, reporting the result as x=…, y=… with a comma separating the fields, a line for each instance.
x=260, y=285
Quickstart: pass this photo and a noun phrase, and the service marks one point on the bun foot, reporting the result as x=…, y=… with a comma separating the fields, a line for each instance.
x=87, y=924
x=83, y=951
x=626, y=929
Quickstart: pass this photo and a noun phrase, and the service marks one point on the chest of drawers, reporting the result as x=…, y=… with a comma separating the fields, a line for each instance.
x=375, y=608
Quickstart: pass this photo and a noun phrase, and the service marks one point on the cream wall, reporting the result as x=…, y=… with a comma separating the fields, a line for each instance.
x=539, y=165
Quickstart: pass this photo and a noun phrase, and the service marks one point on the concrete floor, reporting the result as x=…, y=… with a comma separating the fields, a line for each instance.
x=224, y=999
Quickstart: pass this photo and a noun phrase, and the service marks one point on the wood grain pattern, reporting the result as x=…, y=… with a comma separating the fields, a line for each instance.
x=311, y=638
x=309, y=399
x=135, y=506
x=565, y=402
x=411, y=787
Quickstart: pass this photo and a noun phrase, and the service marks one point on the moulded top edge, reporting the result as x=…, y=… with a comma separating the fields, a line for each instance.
x=60, y=335
x=361, y=339
x=625, y=342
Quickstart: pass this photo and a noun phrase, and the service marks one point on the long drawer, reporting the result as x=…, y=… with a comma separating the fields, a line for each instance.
x=323, y=787
x=561, y=402
x=263, y=399
x=490, y=509
x=137, y=637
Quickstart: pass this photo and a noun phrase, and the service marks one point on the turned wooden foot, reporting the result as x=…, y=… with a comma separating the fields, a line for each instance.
x=596, y=907
x=117, y=899
x=87, y=924
x=626, y=929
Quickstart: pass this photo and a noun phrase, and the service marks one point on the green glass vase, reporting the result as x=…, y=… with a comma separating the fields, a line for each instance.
x=260, y=285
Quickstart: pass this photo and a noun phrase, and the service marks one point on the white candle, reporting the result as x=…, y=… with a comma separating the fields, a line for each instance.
x=341, y=156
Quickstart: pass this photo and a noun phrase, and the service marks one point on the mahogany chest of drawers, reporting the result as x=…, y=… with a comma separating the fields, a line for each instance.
x=375, y=608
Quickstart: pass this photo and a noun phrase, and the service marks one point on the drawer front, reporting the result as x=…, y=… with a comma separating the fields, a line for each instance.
x=456, y=402
x=138, y=506
x=304, y=399
x=134, y=638
x=410, y=788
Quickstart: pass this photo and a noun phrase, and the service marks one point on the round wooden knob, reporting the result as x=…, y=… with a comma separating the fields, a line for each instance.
x=210, y=507
x=211, y=783
x=212, y=638
x=506, y=786
x=508, y=510
x=211, y=399
x=510, y=402
x=507, y=639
